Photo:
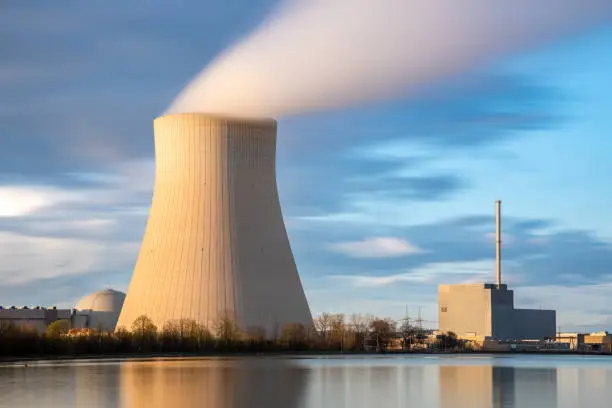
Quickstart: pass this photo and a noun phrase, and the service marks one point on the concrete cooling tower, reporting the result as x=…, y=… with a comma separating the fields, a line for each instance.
x=215, y=244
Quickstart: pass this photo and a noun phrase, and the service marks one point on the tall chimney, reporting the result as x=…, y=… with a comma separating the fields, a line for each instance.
x=498, y=241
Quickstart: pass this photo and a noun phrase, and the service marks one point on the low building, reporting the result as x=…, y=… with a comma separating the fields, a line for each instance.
x=598, y=342
x=601, y=341
x=478, y=312
x=37, y=318
x=574, y=340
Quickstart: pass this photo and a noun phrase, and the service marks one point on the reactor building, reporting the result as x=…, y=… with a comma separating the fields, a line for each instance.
x=215, y=245
x=486, y=311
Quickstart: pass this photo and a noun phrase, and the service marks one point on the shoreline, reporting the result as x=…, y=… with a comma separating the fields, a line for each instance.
x=283, y=354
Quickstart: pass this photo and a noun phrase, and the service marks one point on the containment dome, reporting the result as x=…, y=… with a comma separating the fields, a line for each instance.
x=99, y=310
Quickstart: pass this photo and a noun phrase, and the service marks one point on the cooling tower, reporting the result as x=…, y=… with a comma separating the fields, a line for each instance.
x=215, y=244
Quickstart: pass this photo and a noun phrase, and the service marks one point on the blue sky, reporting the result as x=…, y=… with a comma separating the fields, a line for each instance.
x=382, y=202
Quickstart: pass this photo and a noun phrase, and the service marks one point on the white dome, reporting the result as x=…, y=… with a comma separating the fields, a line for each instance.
x=107, y=300
x=100, y=310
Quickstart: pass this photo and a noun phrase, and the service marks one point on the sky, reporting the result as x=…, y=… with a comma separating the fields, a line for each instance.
x=382, y=201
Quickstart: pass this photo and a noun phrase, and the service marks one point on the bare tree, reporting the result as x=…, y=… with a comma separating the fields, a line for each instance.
x=382, y=332
x=409, y=335
x=337, y=330
x=144, y=331
x=226, y=329
x=359, y=325
x=143, y=325
x=323, y=324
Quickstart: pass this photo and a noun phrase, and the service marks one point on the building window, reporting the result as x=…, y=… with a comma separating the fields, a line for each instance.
x=443, y=308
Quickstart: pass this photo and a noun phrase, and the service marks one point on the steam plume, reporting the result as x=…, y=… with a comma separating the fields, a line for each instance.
x=319, y=54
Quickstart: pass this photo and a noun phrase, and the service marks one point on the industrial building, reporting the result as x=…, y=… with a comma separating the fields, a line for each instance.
x=486, y=311
x=99, y=310
x=594, y=342
x=36, y=318
x=215, y=245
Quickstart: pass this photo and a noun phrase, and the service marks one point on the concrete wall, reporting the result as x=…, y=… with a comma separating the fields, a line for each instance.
x=215, y=243
x=464, y=309
x=502, y=312
x=534, y=324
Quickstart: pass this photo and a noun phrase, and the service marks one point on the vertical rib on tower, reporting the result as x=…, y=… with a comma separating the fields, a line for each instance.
x=215, y=243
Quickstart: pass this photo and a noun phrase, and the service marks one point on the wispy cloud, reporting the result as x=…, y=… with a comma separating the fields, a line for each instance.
x=376, y=247
x=27, y=258
x=434, y=272
x=18, y=201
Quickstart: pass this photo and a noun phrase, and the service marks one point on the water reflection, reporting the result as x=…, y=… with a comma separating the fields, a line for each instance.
x=497, y=387
x=211, y=384
x=365, y=383
x=352, y=382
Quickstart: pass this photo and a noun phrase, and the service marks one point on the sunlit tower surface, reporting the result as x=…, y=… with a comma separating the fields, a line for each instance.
x=215, y=244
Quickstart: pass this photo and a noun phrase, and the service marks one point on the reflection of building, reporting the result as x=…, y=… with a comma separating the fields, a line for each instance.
x=490, y=386
x=482, y=311
x=466, y=386
x=535, y=387
x=503, y=379
x=211, y=383
x=37, y=318
x=215, y=245
x=586, y=386
x=100, y=310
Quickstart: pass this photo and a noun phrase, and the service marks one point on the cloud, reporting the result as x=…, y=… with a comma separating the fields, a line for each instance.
x=429, y=273
x=21, y=200
x=376, y=247
x=26, y=258
x=391, y=154
x=533, y=257
x=62, y=291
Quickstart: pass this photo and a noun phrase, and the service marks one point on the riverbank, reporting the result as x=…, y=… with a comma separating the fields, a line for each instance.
x=283, y=354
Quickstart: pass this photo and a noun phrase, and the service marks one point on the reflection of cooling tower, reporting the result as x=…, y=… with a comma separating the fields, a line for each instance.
x=215, y=242
x=212, y=384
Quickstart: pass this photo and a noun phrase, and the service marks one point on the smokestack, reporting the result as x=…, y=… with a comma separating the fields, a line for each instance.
x=498, y=241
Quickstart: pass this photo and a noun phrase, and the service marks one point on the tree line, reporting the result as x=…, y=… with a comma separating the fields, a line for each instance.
x=331, y=333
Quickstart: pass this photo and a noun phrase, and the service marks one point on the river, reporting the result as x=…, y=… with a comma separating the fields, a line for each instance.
x=471, y=381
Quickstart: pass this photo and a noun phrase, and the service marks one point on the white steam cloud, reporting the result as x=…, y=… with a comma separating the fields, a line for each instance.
x=320, y=54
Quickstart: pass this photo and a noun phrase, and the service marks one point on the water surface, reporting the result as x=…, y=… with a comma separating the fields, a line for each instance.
x=314, y=382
